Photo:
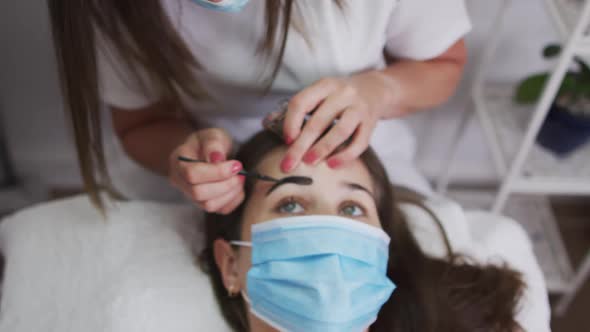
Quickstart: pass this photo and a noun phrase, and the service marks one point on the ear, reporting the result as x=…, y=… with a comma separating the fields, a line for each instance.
x=227, y=263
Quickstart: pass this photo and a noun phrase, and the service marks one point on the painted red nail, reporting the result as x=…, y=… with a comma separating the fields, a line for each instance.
x=310, y=157
x=334, y=163
x=287, y=164
x=242, y=178
x=216, y=157
x=236, y=167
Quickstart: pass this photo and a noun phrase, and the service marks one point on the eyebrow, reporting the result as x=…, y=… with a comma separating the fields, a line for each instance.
x=356, y=186
x=299, y=180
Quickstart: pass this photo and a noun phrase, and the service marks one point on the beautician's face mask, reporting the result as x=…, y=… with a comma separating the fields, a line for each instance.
x=231, y=6
x=317, y=273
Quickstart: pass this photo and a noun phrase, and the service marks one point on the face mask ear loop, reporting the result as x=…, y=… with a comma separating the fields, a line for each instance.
x=246, y=298
x=241, y=243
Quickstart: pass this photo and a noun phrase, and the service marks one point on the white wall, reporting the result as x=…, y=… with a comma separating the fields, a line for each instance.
x=3, y=152
x=31, y=105
x=41, y=147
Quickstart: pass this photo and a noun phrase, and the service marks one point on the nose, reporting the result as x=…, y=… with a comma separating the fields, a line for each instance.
x=322, y=206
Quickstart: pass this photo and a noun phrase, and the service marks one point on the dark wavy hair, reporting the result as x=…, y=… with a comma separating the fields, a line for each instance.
x=432, y=294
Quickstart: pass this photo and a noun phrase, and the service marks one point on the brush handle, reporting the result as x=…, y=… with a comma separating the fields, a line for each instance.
x=242, y=172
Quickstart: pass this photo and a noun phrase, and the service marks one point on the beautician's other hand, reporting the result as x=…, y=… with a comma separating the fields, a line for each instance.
x=358, y=102
x=214, y=186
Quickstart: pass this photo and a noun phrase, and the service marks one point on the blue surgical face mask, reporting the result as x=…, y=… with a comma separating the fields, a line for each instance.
x=231, y=6
x=317, y=273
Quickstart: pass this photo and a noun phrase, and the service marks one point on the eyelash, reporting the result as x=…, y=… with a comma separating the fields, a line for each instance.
x=359, y=205
x=287, y=200
x=304, y=204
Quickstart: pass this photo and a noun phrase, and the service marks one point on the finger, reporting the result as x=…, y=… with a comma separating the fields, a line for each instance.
x=212, y=190
x=315, y=127
x=197, y=173
x=175, y=180
x=359, y=144
x=215, y=145
x=179, y=183
x=217, y=204
x=232, y=205
x=303, y=103
x=188, y=190
x=336, y=136
x=190, y=148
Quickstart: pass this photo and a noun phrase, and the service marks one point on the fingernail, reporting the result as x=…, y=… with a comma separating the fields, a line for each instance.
x=216, y=157
x=236, y=167
x=310, y=157
x=334, y=163
x=287, y=164
x=242, y=178
x=288, y=140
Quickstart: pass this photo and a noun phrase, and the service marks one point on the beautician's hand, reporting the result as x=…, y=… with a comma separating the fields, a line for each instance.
x=214, y=186
x=358, y=102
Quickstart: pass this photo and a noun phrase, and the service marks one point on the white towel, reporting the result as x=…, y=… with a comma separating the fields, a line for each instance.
x=68, y=270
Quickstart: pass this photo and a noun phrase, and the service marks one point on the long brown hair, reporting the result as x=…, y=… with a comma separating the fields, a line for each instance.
x=432, y=294
x=142, y=35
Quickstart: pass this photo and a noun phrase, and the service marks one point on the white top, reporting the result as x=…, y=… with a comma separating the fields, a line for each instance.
x=324, y=41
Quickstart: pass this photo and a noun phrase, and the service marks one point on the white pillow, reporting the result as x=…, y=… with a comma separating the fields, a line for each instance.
x=68, y=269
x=489, y=239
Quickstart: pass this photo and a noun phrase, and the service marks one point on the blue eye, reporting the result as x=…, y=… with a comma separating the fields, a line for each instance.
x=290, y=207
x=352, y=210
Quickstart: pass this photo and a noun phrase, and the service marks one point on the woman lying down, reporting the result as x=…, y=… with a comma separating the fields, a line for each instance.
x=334, y=253
x=331, y=250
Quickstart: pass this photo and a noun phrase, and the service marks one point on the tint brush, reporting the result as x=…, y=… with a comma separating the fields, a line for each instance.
x=300, y=180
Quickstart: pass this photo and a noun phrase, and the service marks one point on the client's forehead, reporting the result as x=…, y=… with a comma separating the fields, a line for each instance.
x=354, y=171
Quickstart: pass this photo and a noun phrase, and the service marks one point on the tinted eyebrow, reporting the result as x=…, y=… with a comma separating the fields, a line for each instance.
x=299, y=180
x=356, y=186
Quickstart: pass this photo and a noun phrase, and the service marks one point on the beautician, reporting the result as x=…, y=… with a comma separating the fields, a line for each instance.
x=196, y=78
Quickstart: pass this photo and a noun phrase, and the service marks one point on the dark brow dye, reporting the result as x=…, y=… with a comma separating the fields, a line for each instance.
x=300, y=180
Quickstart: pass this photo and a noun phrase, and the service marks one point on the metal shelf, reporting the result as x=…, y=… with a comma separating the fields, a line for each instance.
x=565, y=14
x=505, y=124
x=511, y=130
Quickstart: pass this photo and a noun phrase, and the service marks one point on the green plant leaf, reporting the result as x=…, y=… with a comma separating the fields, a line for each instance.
x=584, y=69
x=574, y=87
x=551, y=51
x=529, y=90
x=585, y=89
x=577, y=91
x=569, y=84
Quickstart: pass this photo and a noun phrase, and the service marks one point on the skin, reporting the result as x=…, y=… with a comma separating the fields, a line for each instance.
x=360, y=101
x=330, y=194
x=154, y=137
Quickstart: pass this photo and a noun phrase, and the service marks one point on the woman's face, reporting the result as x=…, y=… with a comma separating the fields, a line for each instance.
x=347, y=191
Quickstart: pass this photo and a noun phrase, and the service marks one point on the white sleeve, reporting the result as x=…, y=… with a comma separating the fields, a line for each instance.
x=117, y=84
x=424, y=29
